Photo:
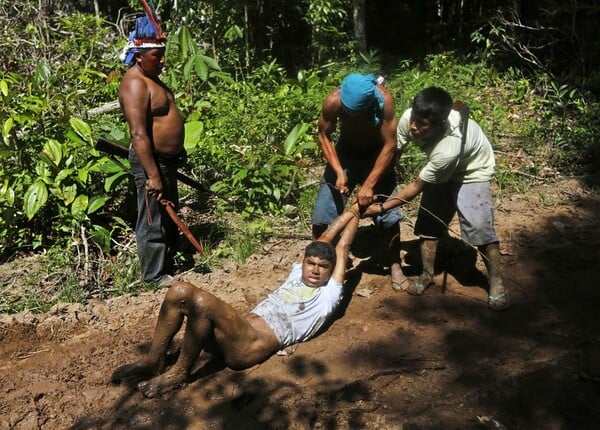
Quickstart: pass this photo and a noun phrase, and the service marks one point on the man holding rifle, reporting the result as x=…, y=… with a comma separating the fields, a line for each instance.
x=157, y=135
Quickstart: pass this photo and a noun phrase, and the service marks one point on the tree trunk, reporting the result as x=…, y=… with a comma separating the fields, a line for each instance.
x=360, y=26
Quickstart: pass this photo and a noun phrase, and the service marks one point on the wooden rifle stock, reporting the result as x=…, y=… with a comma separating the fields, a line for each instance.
x=113, y=148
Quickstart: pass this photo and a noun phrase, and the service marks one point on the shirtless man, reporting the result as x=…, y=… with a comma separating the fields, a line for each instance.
x=293, y=313
x=157, y=135
x=364, y=154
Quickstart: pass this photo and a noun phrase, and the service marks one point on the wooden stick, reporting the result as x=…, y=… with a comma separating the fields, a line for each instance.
x=186, y=231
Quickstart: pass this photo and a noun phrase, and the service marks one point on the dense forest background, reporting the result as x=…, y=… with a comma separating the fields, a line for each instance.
x=551, y=36
x=249, y=78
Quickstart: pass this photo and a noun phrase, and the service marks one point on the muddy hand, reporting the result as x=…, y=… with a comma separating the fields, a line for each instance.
x=341, y=184
x=364, y=197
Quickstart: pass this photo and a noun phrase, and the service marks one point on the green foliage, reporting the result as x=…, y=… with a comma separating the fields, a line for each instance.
x=329, y=22
x=189, y=62
x=47, y=180
x=255, y=138
x=250, y=133
x=242, y=243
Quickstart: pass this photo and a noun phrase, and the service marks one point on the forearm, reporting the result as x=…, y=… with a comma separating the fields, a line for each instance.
x=338, y=224
x=143, y=149
x=403, y=196
x=330, y=154
x=342, y=249
x=343, y=246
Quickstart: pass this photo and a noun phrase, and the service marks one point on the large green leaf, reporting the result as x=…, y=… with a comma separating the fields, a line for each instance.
x=193, y=131
x=36, y=196
x=64, y=173
x=210, y=62
x=53, y=150
x=96, y=203
x=185, y=40
x=101, y=236
x=189, y=65
x=83, y=174
x=67, y=194
x=7, y=193
x=290, y=145
x=3, y=88
x=80, y=205
x=113, y=180
x=8, y=125
x=200, y=67
x=81, y=128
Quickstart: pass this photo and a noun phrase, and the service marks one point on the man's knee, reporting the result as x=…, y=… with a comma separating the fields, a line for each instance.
x=191, y=300
x=181, y=292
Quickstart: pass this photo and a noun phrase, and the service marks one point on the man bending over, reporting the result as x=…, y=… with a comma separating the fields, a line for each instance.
x=293, y=313
x=456, y=179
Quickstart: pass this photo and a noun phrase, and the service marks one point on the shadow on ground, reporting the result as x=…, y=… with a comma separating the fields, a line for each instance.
x=437, y=361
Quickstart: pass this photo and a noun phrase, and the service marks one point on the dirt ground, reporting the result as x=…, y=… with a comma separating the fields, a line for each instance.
x=391, y=361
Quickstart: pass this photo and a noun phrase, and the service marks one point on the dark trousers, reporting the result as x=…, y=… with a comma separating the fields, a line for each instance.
x=155, y=233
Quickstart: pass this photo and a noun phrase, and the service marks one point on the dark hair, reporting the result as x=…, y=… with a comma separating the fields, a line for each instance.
x=322, y=250
x=432, y=103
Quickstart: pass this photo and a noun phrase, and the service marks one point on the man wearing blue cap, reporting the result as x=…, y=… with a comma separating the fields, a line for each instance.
x=157, y=135
x=364, y=154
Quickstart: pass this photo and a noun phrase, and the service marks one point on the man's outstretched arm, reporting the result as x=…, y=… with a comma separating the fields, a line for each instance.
x=342, y=248
x=401, y=197
x=338, y=224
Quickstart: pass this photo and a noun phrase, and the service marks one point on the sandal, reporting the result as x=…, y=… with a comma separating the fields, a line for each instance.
x=420, y=284
x=398, y=286
x=500, y=302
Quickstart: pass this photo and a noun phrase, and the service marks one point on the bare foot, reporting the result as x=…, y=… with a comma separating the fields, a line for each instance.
x=169, y=381
x=399, y=281
x=139, y=369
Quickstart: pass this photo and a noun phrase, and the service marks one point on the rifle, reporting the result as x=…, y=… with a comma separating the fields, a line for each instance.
x=113, y=148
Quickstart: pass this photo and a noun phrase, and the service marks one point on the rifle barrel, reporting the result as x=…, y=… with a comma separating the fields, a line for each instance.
x=105, y=145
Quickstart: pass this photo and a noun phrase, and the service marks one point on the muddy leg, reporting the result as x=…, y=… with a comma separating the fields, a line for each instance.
x=498, y=298
x=198, y=334
x=196, y=305
x=392, y=238
x=169, y=322
x=425, y=279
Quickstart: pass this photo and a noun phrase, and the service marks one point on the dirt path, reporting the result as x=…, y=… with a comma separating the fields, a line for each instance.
x=391, y=361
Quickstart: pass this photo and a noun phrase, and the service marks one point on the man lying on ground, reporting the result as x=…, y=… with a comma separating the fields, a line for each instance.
x=293, y=313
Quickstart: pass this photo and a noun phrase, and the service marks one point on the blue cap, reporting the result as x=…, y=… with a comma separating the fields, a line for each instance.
x=358, y=93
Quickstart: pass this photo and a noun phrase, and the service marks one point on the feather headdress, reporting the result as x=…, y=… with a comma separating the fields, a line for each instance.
x=147, y=34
